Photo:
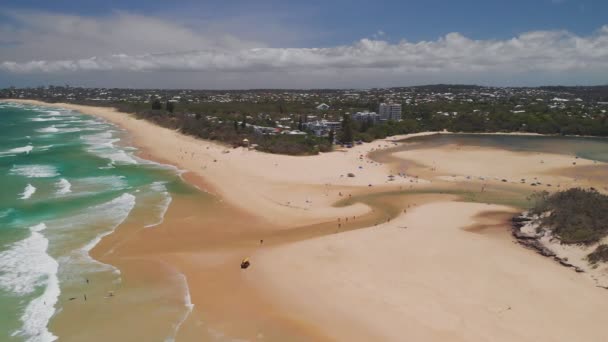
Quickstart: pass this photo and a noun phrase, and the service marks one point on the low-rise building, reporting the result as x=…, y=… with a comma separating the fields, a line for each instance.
x=321, y=128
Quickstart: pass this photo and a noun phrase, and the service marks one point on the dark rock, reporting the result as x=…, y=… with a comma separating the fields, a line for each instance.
x=544, y=251
x=521, y=218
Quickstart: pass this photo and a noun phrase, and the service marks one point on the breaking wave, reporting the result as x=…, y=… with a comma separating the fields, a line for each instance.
x=34, y=171
x=25, y=267
x=63, y=187
x=28, y=192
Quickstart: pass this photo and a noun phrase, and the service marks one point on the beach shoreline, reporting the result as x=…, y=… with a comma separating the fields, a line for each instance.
x=300, y=207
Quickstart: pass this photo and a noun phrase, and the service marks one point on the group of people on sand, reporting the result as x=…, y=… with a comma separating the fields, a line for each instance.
x=84, y=295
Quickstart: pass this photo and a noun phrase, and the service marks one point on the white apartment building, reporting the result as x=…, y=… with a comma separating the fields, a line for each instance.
x=390, y=111
x=321, y=128
x=364, y=116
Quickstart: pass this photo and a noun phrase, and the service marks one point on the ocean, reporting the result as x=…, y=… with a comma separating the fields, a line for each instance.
x=67, y=181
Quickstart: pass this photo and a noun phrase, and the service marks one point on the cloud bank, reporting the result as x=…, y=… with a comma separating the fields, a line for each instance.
x=130, y=43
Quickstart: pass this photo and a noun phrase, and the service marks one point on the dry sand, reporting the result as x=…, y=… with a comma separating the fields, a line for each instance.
x=453, y=274
x=431, y=281
x=455, y=162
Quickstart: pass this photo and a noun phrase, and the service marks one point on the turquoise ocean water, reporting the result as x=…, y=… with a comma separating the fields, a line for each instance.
x=65, y=183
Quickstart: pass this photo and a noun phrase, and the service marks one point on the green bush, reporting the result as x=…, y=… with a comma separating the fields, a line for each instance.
x=599, y=255
x=292, y=144
x=577, y=215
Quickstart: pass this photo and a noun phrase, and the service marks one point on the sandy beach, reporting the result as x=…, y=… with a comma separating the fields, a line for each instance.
x=425, y=277
x=369, y=257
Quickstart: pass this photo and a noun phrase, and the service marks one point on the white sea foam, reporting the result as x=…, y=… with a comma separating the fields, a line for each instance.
x=25, y=263
x=34, y=171
x=119, y=208
x=90, y=123
x=24, y=267
x=53, y=112
x=189, y=307
x=44, y=119
x=50, y=129
x=163, y=205
x=90, y=185
x=14, y=151
x=25, y=149
x=58, y=129
x=102, y=144
x=69, y=130
x=44, y=148
x=28, y=192
x=109, y=166
x=63, y=187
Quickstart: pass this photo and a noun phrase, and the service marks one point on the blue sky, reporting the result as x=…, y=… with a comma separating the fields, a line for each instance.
x=344, y=21
x=297, y=24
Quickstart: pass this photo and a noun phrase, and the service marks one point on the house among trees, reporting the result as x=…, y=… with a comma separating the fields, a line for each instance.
x=323, y=106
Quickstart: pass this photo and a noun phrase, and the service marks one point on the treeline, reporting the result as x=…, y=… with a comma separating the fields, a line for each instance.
x=234, y=132
x=488, y=119
x=543, y=123
x=228, y=108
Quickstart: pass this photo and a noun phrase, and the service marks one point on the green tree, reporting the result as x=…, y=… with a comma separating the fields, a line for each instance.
x=244, y=122
x=331, y=136
x=156, y=104
x=366, y=124
x=347, y=129
x=236, y=126
x=170, y=106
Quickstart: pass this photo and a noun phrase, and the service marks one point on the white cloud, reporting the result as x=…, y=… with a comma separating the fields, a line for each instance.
x=49, y=36
x=122, y=42
x=533, y=51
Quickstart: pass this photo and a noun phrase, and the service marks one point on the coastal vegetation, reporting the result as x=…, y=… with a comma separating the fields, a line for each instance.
x=600, y=254
x=575, y=216
x=235, y=133
x=457, y=108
